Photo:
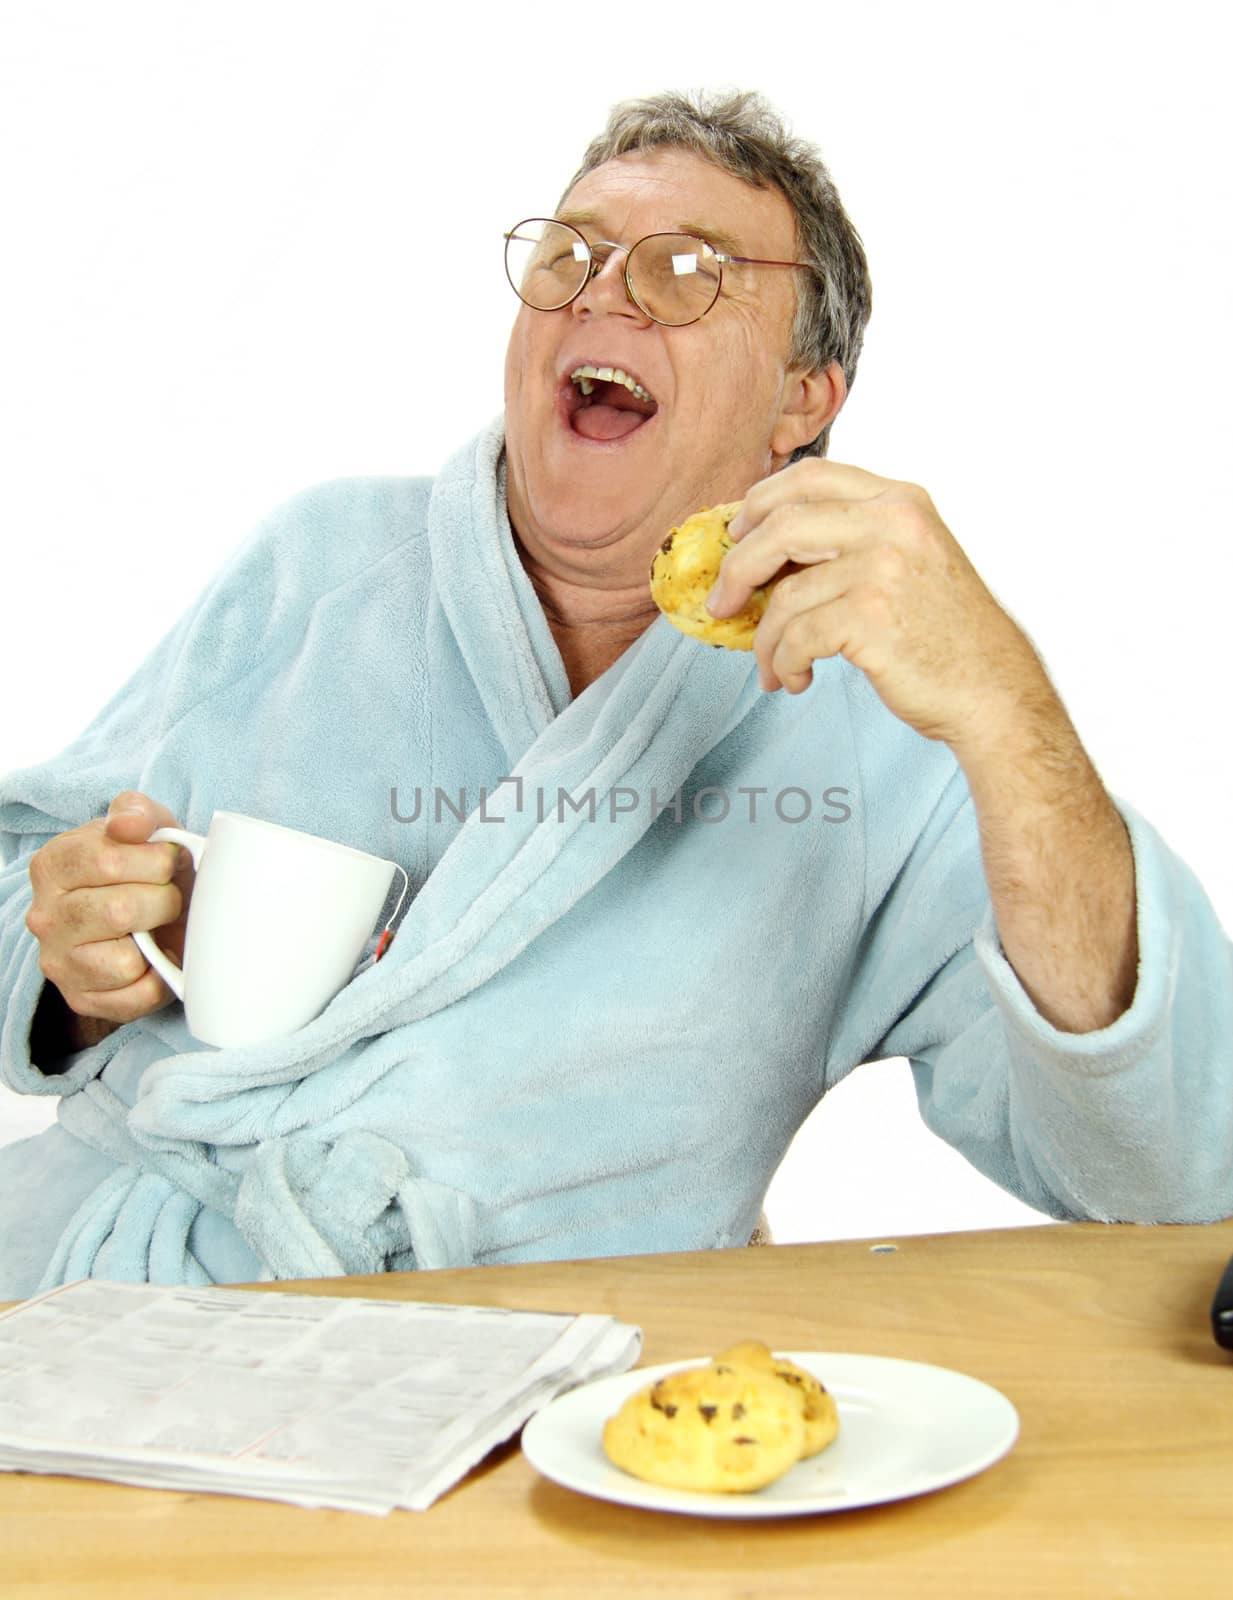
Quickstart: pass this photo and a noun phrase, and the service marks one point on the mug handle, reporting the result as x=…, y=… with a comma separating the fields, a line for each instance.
x=166, y=968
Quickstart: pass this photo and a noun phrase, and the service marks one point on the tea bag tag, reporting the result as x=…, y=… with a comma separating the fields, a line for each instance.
x=387, y=935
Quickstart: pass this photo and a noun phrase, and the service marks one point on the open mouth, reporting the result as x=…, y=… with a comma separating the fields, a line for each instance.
x=606, y=403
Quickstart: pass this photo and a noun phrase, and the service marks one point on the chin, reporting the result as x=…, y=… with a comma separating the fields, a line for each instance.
x=580, y=518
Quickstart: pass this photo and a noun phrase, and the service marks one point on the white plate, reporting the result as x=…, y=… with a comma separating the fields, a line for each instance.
x=904, y=1428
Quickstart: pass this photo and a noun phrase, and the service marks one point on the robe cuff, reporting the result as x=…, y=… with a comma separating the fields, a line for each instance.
x=24, y=982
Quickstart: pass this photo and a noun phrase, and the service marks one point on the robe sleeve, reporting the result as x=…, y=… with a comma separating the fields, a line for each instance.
x=1132, y=1122
x=252, y=599
x=37, y=803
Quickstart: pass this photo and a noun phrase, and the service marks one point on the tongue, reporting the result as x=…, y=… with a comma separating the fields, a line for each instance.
x=606, y=422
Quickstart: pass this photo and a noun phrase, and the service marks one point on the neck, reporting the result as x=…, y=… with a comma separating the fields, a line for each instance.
x=595, y=608
x=595, y=601
x=603, y=584
x=589, y=587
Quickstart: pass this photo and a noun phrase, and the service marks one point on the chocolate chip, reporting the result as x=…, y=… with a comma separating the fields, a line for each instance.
x=743, y=1440
x=723, y=1369
x=738, y=1410
x=667, y=544
x=708, y=1413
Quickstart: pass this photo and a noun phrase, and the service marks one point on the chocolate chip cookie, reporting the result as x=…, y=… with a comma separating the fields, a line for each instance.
x=721, y=1428
x=684, y=571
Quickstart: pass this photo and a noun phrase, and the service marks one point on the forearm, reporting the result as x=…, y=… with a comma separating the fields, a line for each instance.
x=1060, y=870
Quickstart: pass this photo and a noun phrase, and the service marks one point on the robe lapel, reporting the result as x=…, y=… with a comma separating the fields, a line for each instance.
x=539, y=842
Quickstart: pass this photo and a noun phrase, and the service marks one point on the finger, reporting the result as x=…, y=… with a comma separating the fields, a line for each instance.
x=810, y=480
x=810, y=636
x=88, y=858
x=132, y=817
x=138, y=999
x=799, y=534
x=86, y=915
x=102, y=967
x=803, y=594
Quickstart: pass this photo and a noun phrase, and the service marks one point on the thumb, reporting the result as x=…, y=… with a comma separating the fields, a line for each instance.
x=132, y=817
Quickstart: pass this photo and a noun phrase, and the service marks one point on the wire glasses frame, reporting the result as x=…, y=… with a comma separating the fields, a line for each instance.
x=593, y=266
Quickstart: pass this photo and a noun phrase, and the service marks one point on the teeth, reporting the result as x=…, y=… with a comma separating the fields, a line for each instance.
x=587, y=377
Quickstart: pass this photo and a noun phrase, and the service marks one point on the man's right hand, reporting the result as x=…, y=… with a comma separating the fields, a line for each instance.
x=93, y=887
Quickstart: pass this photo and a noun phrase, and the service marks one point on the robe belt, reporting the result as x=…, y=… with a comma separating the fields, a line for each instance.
x=308, y=1207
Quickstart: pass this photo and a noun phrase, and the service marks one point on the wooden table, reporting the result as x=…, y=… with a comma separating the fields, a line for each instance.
x=1121, y=1483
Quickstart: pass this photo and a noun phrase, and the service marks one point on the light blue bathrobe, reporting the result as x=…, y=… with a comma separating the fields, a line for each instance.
x=613, y=998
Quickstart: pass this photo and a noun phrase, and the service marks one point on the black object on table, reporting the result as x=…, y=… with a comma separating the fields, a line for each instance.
x=1222, y=1310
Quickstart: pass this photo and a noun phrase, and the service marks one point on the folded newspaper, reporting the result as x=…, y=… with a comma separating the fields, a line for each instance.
x=362, y=1405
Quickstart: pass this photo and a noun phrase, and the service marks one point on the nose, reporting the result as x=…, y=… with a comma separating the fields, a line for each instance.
x=606, y=292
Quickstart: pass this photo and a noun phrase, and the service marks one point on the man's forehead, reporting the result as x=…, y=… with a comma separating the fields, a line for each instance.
x=676, y=191
x=591, y=217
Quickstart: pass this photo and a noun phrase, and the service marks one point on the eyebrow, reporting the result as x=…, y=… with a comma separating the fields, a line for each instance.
x=716, y=237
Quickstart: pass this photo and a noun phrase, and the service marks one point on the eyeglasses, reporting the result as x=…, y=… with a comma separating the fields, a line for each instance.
x=675, y=278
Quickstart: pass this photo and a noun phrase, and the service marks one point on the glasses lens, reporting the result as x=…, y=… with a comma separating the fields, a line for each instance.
x=674, y=277
x=546, y=262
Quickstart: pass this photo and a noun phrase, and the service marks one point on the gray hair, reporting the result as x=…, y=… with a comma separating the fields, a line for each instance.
x=740, y=132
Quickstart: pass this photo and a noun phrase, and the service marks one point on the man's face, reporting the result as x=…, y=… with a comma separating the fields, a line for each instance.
x=718, y=383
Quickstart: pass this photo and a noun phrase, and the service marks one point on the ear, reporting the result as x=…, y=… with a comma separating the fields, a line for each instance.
x=812, y=398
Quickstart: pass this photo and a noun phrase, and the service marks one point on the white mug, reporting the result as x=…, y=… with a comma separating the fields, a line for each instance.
x=276, y=923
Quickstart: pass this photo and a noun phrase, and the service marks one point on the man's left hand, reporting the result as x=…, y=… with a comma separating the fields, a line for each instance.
x=885, y=584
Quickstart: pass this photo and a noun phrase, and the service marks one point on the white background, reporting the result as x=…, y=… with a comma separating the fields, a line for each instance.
x=251, y=246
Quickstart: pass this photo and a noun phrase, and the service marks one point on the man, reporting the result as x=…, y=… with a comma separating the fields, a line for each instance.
x=604, y=1016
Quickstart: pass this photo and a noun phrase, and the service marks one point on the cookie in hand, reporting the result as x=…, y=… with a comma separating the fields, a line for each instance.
x=684, y=571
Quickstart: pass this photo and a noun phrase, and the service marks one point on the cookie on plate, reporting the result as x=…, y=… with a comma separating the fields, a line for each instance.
x=684, y=571
x=722, y=1428
x=821, y=1412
